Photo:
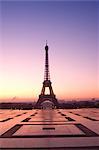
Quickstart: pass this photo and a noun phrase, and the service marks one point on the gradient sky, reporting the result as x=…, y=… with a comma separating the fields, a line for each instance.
x=71, y=29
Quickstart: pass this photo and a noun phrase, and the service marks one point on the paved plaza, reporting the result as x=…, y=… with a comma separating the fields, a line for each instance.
x=49, y=129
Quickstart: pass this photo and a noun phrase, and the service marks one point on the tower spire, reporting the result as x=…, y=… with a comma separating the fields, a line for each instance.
x=46, y=42
x=46, y=73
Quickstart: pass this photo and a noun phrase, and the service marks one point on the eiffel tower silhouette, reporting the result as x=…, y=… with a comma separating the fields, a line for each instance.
x=51, y=97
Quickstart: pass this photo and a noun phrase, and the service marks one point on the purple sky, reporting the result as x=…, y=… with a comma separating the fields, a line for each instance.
x=71, y=29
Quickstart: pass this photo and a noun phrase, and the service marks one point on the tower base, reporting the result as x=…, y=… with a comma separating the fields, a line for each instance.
x=45, y=98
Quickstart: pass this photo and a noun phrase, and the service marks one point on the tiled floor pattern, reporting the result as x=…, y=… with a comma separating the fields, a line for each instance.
x=49, y=129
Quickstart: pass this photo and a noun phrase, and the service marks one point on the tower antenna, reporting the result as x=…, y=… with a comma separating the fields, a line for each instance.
x=46, y=42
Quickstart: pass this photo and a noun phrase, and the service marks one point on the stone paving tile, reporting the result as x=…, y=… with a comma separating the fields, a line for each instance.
x=48, y=130
x=54, y=129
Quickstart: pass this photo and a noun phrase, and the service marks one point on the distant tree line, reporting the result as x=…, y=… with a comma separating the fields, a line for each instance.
x=62, y=105
x=79, y=104
x=20, y=105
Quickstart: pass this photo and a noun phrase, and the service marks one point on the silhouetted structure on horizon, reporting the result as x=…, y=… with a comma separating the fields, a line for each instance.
x=51, y=98
x=61, y=104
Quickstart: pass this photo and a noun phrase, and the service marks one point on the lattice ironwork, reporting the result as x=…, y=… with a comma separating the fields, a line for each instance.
x=47, y=83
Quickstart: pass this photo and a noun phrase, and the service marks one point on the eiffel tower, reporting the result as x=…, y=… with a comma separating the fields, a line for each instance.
x=47, y=84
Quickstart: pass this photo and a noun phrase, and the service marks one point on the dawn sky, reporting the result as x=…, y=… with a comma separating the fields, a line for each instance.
x=71, y=29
